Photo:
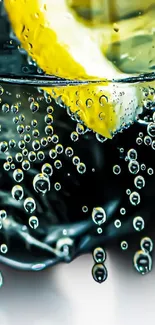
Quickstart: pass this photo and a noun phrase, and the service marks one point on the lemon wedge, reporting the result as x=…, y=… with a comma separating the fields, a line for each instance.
x=64, y=47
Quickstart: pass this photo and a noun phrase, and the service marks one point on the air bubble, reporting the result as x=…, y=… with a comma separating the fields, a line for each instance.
x=47, y=169
x=134, y=198
x=52, y=153
x=80, y=128
x=143, y=167
x=139, y=182
x=58, y=164
x=12, y=143
x=34, y=123
x=128, y=191
x=25, y=164
x=35, y=133
x=124, y=245
x=17, y=192
x=33, y=222
x=3, y=146
x=76, y=160
x=27, y=138
x=29, y=205
x=69, y=152
x=18, y=175
x=151, y=129
x=122, y=211
x=116, y=169
x=14, y=109
x=48, y=119
x=117, y=223
x=34, y=107
x=133, y=166
x=57, y=186
x=147, y=140
x=1, y=90
x=98, y=215
x=100, y=138
x=55, y=138
x=85, y=208
x=142, y=262
x=36, y=145
x=21, y=144
x=50, y=109
x=19, y=157
x=40, y=155
x=150, y=171
x=138, y=223
x=99, y=273
x=89, y=102
x=99, y=230
x=59, y=148
x=74, y=136
x=15, y=120
x=139, y=141
x=146, y=244
x=3, y=248
x=3, y=214
x=20, y=129
x=32, y=156
x=49, y=130
x=44, y=142
x=132, y=154
x=41, y=183
x=81, y=168
x=99, y=255
x=103, y=100
x=5, y=108
x=6, y=166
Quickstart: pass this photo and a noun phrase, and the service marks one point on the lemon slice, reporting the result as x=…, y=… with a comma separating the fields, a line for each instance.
x=64, y=47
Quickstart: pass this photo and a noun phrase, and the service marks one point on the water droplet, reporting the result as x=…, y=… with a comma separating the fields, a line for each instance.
x=57, y=186
x=3, y=214
x=133, y=166
x=99, y=255
x=132, y=154
x=134, y=198
x=99, y=215
x=124, y=245
x=17, y=192
x=29, y=205
x=142, y=262
x=99, y=273
x=47, y=169
x=18, y=175
x=81, y=168
x=116, y=169
x=139, y=182
x=3, y=248
x=138, y=223
x=41, y=183
x=117, y=223
x=74, y=136
x=33, y=222
x=146, y=244
x=151, y=129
